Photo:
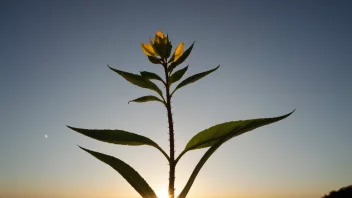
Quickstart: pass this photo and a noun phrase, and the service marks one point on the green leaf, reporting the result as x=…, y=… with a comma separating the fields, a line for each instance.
x=151, y=76
x=194, y=78
x=138, y=80
x=210, y=136
x=147, y=99
x=178, y=75
x=180, y=60
x=118, y=137
x=217, y=135
x=126, y=171
x=153, y=60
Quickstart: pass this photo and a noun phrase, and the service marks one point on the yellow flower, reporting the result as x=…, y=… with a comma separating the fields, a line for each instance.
x=160, y=46
x=178, y=51
x=160, y=38
x=160, y=34
x=148, y=49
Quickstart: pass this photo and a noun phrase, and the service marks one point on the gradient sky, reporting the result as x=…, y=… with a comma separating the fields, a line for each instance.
x=275, y=56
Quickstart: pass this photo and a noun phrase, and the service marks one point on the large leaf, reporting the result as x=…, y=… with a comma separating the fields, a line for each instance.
x=178, y=75
x=151, y=76
x=210, y=136
x=148, y=98
x=180, y=60
x=132, y=176
x=118, y=137
x=217, y=140
x=194, y=78
x=138, y=80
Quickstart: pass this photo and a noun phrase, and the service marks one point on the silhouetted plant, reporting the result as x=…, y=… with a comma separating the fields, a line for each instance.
x=345, y=192
x=159, y=52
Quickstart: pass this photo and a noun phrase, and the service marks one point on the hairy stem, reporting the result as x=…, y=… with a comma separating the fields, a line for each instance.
x=171, y=136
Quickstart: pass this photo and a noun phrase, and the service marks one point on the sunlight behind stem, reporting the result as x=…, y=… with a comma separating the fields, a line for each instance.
x=162, y=193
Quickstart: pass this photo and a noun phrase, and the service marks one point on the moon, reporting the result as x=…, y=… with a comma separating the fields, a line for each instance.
x=46, y=136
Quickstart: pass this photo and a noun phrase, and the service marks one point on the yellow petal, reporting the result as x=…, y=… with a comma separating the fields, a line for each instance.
x=151, y=41
x=178, y=51
x=160, y=34
x=148, y=49
x=157, y=39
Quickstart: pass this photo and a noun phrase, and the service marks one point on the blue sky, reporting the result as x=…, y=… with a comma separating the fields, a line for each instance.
x=275, y=56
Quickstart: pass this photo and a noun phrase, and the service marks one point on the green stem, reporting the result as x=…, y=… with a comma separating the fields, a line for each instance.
x=171, y=136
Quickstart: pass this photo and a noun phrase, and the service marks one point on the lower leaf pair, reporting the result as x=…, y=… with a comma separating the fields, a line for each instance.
x=212, y=137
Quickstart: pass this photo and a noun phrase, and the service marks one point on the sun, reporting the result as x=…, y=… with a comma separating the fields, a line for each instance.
x=162, y=193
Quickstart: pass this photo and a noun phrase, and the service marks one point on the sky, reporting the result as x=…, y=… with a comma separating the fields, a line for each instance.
x=274, y=57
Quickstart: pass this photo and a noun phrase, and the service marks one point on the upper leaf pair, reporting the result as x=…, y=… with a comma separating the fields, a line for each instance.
x=140, y=80
x=178, y=74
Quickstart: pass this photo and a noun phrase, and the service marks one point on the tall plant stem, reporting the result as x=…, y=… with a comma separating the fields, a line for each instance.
x=171, y=136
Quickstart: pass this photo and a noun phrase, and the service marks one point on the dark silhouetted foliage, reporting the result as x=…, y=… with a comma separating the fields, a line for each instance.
x=345, y=192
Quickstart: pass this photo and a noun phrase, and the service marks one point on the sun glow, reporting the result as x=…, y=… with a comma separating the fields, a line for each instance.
x=162, y=193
